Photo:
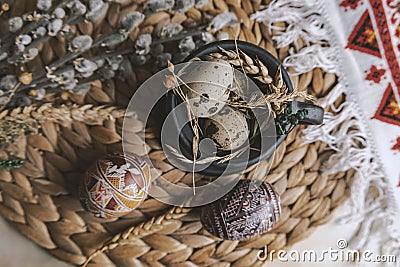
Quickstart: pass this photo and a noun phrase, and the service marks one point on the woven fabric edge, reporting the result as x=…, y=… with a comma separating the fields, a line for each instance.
x=375, y=216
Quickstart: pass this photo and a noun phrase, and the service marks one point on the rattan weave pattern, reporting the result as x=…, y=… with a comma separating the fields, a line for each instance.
x=40, y=199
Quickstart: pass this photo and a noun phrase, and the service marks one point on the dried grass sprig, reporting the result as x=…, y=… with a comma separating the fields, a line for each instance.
x=174, y=82
x=194, y=123
x=278, y=95
x=146, y=228
x=220, y=159
x=27, y=120
x=276, y=98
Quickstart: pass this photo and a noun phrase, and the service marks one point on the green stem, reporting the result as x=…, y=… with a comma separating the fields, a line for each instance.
x=13, y=163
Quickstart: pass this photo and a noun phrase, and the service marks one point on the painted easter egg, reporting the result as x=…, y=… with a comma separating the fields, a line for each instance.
x=243, y=213
x=115, y=185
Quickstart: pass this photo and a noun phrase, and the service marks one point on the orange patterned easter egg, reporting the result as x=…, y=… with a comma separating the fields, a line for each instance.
x=115, y=185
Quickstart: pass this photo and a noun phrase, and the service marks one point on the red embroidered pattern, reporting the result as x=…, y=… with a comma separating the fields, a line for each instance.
x=352, y=4
x=363, y=37
x=395, y=18
x=375, y=74
x=384, y=33
x=397, y=145
x=388, y=110
x=398, y=35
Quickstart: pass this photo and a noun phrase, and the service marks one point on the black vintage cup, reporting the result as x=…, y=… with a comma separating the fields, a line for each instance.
x=314, y=114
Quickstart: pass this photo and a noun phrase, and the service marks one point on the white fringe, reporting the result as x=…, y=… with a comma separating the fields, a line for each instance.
x=314, y=56
x=303, y=22
x=372, y=199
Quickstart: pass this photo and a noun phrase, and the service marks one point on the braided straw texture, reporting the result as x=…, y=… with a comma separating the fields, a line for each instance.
x=40, y=199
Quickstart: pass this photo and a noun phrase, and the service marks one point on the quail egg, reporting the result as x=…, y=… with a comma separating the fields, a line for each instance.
x=205, y=99
x=218, y=72
x=228, y=129
x=209, y=86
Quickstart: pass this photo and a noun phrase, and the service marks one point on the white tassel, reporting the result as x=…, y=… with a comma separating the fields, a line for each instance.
x=371, y=198
x=303, y=22
x=314, y=56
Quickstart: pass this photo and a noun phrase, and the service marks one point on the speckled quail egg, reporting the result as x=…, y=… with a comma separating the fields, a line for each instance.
x=218, y=72
x=210, y=84
x=205, y=99
x=228, y=129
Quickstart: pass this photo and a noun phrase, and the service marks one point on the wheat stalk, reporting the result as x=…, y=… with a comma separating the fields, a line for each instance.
x=279, y=96
x=27, y=120
x=194, y=123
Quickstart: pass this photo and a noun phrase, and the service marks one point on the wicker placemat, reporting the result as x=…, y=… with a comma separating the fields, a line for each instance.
x=40, y=198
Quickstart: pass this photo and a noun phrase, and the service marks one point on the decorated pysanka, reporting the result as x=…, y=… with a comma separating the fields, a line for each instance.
x=115, y=185
x=243, y=213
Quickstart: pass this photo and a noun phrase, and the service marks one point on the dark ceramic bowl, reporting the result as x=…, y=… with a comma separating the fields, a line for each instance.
x=314, y=116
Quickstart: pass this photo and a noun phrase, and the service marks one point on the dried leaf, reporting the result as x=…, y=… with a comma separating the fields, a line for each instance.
x=104, y=135
x=37, y=231
x=163, y=243
x=40, y=142
x=195, y=241
x=48, y=187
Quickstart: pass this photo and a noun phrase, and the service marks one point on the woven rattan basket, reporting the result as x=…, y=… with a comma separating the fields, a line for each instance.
x=40, y=199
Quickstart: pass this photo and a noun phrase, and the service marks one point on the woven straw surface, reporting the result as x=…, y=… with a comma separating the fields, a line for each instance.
x=40, y=199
